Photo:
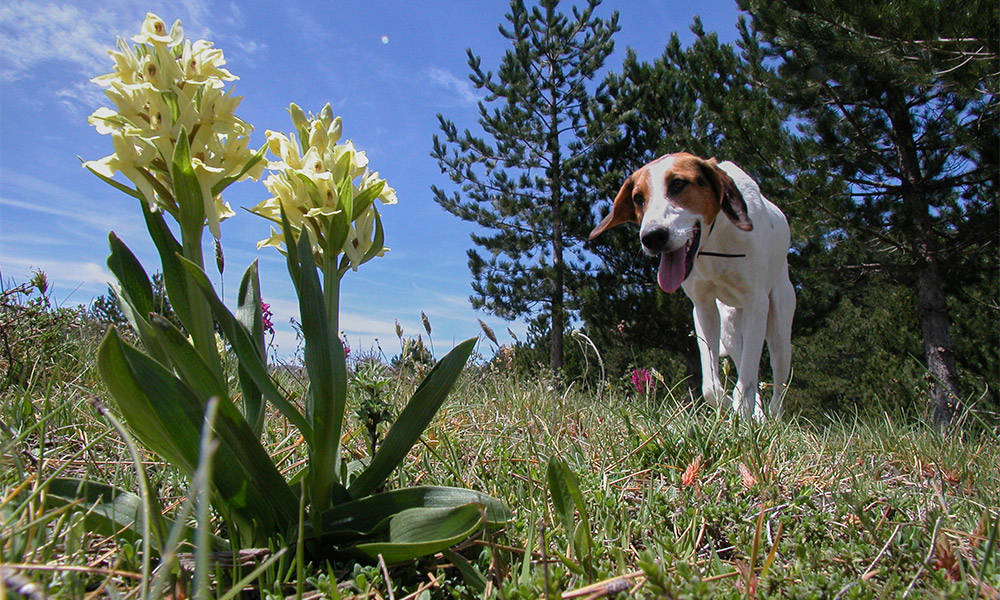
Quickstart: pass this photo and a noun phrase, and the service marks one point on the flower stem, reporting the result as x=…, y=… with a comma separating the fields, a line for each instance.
x=331, y=299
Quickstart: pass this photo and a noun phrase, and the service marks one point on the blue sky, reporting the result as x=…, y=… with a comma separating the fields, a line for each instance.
x=388, y=68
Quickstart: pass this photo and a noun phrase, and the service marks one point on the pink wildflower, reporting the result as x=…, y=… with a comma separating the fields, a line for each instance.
x=643, y=381
x=266, y=315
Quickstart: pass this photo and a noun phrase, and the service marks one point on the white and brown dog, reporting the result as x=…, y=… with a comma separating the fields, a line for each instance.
x=735, y=269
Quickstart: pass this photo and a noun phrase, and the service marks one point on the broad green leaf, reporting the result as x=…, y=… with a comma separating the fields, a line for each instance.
x=336, y=233
x=130, y=275
x=134, y=293
x=558, y=474
x=166, y=415
x=246, y=350
x=248, y=312
x=109, y=511
x=174, y=275
x=324, y=361
x=417, y=532
x=346, y=195
x=186, y=360
x=363, y=515
x=413, y=419
x=141, y=325
x=191, y=201
x=170, y=99
x=564, y=487
x=143, y=417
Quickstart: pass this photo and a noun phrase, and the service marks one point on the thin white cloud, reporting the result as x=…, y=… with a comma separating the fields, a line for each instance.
x=37, y=35
x=68, y=272
x=461, y=87
x=119, y=213
x=32, y=34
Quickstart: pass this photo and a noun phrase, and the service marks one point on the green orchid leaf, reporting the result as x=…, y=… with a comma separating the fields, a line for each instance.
x=170, y=99
x=346, y=195
x=174, y=275
x=185, y=359
x=412, y=421
x=142, y=326
x=166, y=415
x=246, y=350
x=311, y=188
x=324, y=362
x=145, y=419
x=248, y=313
x=135, y=294
x=192, y=201
x=417, y=532
x=130, y=275
x=360, y=517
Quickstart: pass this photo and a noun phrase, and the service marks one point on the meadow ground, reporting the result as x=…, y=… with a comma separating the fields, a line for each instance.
x=675, y=500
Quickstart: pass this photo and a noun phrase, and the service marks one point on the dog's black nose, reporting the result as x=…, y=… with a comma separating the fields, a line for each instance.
x=655, y=240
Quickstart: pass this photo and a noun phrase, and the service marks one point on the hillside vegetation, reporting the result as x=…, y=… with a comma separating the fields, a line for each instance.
x=612, y=493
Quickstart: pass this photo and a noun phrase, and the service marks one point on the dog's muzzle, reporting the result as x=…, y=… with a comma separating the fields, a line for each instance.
x=675, y=265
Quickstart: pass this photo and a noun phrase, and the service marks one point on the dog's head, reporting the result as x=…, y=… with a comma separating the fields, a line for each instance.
x=672, y=199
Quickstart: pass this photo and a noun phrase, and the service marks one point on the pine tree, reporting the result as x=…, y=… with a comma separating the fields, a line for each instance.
x=516, y=182
x=903, y=98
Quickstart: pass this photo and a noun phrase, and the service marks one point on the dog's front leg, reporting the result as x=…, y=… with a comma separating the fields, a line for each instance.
x=745, y=397
x=706, y=326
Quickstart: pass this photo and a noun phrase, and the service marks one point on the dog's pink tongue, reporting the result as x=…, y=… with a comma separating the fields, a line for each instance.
x=671, y=271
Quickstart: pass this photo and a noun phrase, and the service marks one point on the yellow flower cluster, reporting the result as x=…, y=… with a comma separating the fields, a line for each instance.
x=320, y=184
x=161, y=86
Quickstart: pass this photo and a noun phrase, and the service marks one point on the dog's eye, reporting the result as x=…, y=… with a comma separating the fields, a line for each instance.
x=676, y=187
x=639, y=200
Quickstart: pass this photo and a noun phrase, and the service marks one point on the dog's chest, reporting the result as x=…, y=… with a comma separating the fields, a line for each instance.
x=721, y=278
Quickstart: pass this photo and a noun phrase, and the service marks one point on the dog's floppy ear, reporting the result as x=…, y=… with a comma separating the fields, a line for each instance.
x=623, y=210
x=730, y=198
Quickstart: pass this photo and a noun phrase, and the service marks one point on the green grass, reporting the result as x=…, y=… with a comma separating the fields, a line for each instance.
x=679, y=501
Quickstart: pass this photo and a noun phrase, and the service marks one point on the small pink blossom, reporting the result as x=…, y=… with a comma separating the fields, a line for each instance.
x=643, y=381
x=266, y=315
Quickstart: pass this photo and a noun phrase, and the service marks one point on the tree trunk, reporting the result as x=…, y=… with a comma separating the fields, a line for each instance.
x=938, y=354
x=933, y=310
x=558, y=309
x=558, y=320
